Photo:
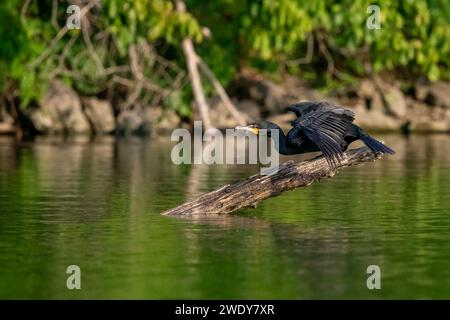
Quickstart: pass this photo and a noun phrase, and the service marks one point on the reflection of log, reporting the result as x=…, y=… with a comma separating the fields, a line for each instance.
x=258, y=187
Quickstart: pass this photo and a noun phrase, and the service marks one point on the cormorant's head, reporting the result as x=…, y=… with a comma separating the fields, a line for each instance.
x=255, y=127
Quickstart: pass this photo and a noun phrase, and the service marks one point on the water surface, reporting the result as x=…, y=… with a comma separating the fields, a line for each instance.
x=97, y=204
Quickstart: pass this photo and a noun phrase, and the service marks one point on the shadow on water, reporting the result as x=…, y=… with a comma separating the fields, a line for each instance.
x=98, y=203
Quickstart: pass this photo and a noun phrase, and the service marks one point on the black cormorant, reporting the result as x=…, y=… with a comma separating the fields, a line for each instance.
x=320, y=126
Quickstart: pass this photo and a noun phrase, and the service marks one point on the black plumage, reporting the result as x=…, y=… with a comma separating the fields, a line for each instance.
x=321, y=126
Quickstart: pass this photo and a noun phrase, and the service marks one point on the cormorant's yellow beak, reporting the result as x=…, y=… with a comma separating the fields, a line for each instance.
x=250, y=128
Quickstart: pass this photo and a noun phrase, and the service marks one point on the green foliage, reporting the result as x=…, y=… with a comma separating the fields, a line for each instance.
x=414, y=34
x=272, y=28
x=29, y=55
x=179, y=101
x=262, y=34
x=152, y=19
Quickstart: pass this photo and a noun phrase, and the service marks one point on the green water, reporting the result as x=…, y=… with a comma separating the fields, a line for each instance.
x=97, y=205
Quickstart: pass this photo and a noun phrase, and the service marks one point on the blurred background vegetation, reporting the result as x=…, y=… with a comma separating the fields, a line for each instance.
x=323, y=42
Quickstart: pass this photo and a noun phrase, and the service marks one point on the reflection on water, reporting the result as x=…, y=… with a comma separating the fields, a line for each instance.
x=97, y=204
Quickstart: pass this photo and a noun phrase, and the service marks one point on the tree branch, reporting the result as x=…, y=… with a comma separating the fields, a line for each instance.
x=256, y=188
x=192, y=62
x=238, y=117
x=309, y=53
x=62, y=32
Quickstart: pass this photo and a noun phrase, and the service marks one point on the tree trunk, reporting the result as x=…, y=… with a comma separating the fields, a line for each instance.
x=256, y=188
x=193, y=63
x=238, y=117
x=196, y=82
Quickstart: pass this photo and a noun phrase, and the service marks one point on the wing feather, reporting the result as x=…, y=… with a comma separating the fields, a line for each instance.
x=326, y=127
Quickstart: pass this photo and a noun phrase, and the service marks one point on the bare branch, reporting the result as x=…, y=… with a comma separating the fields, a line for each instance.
x=54, y=14
x=24, y=9
x=192, y=63
x=58, y=37
x=238, y=117
x=90, y=47
x=326, y=53
x=309, y=53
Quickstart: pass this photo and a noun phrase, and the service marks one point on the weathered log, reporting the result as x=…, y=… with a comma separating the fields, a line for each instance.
x=249, y=192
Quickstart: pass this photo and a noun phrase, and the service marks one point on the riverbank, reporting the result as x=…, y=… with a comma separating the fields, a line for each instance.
x=380, y=105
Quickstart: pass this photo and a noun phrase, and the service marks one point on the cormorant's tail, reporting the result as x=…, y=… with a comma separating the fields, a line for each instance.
x=374, y=144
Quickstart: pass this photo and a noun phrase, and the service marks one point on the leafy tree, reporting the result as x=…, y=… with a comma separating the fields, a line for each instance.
x=263, y=34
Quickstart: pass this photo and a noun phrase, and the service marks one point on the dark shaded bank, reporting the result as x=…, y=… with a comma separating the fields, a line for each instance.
x=379, y=106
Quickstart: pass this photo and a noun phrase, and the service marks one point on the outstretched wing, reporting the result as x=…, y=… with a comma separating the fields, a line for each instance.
x=295, y=109
x=303, y=108
x=327, y=130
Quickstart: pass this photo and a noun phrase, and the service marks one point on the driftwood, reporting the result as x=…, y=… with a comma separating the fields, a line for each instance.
x=249, y=192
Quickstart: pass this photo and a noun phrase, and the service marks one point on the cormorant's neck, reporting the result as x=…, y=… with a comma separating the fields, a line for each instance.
x=283, y=146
